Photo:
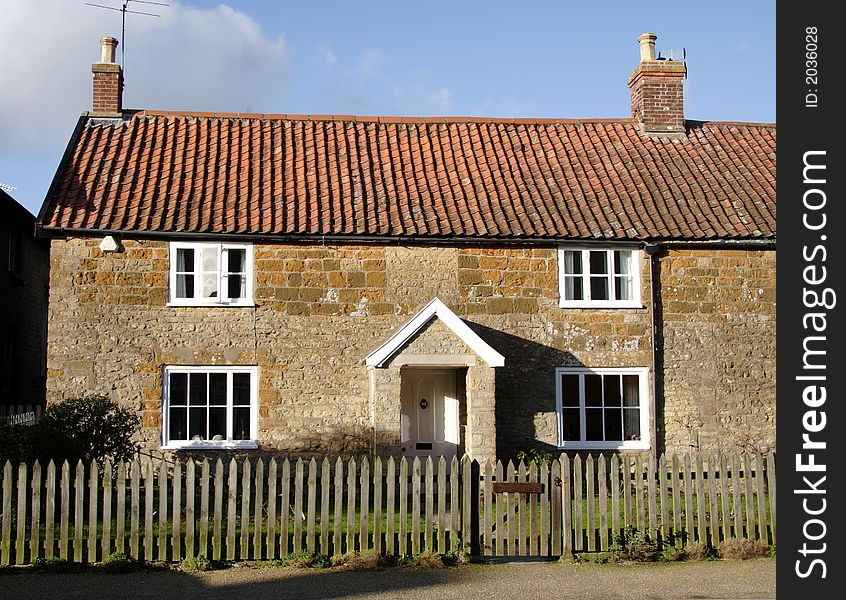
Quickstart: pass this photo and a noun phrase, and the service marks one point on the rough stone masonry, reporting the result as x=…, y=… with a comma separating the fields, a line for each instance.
x=319, y=310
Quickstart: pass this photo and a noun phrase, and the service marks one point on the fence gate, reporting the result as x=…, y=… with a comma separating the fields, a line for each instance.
x=520, y=509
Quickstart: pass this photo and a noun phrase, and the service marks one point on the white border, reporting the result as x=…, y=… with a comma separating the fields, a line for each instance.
x=250, y=444
x=635, y=302
x=219, y=301
x=643, y=381
x=435, y=308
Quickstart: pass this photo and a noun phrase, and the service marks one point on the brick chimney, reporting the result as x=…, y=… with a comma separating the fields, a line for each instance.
x=108, y=81
x=657, y=90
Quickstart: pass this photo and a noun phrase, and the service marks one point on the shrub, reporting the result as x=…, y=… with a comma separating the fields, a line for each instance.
x=60, y=565
x=364, y=560
x=196, y=564
x=697, y=551
x=634, y=545
x=742, y=549
x=91, y=428
x=539, y=457
x=303, y=559
x=87, y=428
x=118, y=562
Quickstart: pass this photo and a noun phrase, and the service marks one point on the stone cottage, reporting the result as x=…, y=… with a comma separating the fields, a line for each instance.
x=315, y=284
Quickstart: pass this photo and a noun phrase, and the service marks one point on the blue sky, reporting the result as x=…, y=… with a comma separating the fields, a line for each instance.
x=461, y=58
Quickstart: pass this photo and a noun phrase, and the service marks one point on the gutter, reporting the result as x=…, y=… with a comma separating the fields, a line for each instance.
x=652, y=250
x=765, y=244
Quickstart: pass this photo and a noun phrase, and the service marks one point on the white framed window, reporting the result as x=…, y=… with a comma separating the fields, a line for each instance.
x=211, y=274
x=602, y=409
x=599, y=277
x=210, y=407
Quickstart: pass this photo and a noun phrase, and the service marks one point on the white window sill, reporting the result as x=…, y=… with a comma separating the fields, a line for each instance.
x=212, y=304
x=636, y=445
x=598, y=304
x=209, y=445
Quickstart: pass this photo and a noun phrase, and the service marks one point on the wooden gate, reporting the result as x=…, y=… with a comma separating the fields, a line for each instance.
x=521, y=509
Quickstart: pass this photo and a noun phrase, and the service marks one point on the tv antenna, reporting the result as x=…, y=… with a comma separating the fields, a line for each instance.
x=123, y=10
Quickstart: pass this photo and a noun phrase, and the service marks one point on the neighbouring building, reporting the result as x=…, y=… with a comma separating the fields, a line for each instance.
x=24, y=275
x=312, y=284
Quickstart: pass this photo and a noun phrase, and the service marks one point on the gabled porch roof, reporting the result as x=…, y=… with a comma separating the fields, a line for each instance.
x=435, y=308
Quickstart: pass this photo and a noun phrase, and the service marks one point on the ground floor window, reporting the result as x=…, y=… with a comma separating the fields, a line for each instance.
x=210, y=407
x=602, y=408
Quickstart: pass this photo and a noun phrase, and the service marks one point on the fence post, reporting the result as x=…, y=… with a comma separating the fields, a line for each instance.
x=50, y=512
x=106, y=539
x=475, y=546
x=35, y=524
x=79, y=503
x=5, y=541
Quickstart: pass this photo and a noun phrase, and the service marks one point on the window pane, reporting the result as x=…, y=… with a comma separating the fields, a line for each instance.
x=593, y=390
x=631, y=390
x=593, y=424
x=178, y=421
x=184, y=286
x=210, y=285
x=211, y=258
x=241, y=389
x=599, y=288
x=612, y=390
x=235, y=286
x=573, y=288
x=622, y=262
x=199, y=383
x=236, y=259
x=613, y=425
x=197, y=423
x=598, y=262
x=241, y=424
x=185, y=259
x=631, y=423
x=178, y=389
x=217, y=388
x=217, y=424
x=572, y=425
x=573, y=262
x=623, y=288
x=570, y=390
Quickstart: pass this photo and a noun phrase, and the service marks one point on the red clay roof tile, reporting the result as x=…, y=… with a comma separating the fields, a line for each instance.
x=408, y=176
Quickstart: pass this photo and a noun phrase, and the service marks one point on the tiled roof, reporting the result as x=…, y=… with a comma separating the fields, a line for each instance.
x=428, y=178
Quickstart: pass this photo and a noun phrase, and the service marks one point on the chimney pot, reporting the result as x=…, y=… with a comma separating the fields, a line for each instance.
x=647, y=46
x=108, y=45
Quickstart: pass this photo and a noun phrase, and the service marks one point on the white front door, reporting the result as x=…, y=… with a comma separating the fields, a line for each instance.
x=429, y=419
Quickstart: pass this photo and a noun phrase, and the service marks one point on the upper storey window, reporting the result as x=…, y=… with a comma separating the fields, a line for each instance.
x=599, y=278
x=211, y=274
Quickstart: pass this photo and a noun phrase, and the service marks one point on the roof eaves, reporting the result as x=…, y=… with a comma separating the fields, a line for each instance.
x=59, y=171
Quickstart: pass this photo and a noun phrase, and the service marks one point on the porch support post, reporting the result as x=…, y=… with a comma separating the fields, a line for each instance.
x=385, y=388
x=481, y=413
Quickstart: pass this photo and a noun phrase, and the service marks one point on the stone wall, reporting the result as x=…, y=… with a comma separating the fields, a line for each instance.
x=719, y=320
x=321, y=309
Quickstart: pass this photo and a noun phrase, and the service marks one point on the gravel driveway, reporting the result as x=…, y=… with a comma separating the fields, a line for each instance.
x=530, y=581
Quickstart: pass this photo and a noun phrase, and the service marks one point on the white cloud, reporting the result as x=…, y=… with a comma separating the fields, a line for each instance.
x=216, y=59
x=371, y=60
x=420, y=91
x=441, y=98
x=326, y=54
